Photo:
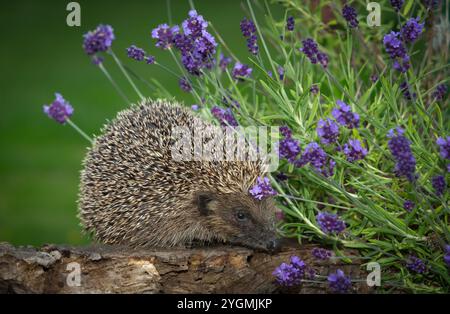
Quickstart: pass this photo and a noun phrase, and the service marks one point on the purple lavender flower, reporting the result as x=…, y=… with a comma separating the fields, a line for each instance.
x=314, y=89
x=411, y=30
x=349, y=13
x=206, y=44
x=285, y=131
x=330, y=223
x=248, y=28
x=344, y=115
x=444, y=145
x=60, y=110
x=224, y=62
x=397, y=4
x=196, y=45
x=447, y=255
x=338, y=282
x=280, y=71
x=290, y=274
x=316, y=157
x=183, y=43
x=321, y=254
x=195, y=107
x=374, y=78
x=286, y=275
x=289, y=148
x=98, y=40
x=439, y=184
x=194, y=25
x=281, y=176
x=165, y=35
x=440, y=92
x=262, y=189
x=290, y=23
x=225, y=116
x=193, y=64
x=408, y=205
x=328, y=131
x=252, y=44
x=322, y=58
x=297, y=263
x=397, y=52
x=184, y=85
x=400, y=148
x=405, y=88
x=136, y=53
x=241, y=71
x=150, y=59
x=401, y=65
x=354, y=150
x=416, y=265
x=311, y=50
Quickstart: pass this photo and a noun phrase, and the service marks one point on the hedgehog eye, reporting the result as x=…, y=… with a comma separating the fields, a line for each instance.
x=241, y=216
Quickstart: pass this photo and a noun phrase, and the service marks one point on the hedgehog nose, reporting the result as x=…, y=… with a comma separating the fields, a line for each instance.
x=273, y=245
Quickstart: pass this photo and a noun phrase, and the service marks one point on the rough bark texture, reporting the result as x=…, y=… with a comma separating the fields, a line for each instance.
x=106, y=269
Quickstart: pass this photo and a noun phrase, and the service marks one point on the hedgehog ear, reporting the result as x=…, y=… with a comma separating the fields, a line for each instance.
x=202, y=201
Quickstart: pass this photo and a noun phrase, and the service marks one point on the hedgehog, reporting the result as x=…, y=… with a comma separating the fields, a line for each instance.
x=134, y=193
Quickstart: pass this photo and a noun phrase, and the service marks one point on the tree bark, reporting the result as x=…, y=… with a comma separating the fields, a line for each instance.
x=108, y=269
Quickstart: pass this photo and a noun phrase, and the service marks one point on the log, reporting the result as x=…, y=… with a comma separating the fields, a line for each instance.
x=114, y=269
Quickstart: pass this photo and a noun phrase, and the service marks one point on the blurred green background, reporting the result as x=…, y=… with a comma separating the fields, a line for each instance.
x=40, y=160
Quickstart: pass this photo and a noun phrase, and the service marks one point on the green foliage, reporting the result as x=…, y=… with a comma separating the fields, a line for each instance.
x=366, y=194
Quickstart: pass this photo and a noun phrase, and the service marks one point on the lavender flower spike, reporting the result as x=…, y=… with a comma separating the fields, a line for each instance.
x=290, y=23
x=344, y=115
x=354, y=150
x=165, y=35
x=328, y=131
x=444, y=145
x=225, y=116
x=411, y=30
x=290, y=274
x=262, y=189
x=98, y=40
x=321, y=254
x=338, y=282
x=330, y=223
x=136, y=53
x=241, y=71
x=440, y=92
x=397, y=4
x=349, y=13
x=400, y=148
x=194, y=25
x=416, y=265
x=184, y=85
x=60, y=110
x=439, y=184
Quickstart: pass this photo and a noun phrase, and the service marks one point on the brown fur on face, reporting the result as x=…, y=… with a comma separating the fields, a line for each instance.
x=239, y=218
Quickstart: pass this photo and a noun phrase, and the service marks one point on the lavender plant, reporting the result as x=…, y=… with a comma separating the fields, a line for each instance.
x=364, y=143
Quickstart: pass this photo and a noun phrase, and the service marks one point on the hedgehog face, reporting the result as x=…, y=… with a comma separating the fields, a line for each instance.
x=240, y=219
